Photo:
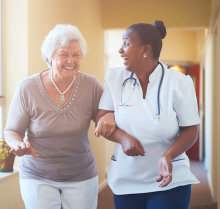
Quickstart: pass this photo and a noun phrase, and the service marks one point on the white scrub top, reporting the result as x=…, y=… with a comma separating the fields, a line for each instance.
x=137, y=117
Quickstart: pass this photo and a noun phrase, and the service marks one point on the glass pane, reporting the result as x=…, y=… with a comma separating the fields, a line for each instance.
x=1, y=122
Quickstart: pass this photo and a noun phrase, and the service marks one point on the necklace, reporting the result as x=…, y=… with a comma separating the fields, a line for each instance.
x=62, y=98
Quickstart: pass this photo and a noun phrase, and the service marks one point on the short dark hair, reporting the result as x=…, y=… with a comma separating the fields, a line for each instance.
x=150, y=34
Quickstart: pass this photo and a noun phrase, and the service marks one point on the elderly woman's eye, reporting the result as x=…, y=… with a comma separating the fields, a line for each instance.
x=63, y=54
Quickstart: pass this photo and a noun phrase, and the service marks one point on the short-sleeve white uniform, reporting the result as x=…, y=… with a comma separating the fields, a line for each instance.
x=137, y=116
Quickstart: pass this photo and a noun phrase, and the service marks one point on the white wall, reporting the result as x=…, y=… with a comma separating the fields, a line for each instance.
x=212, y=104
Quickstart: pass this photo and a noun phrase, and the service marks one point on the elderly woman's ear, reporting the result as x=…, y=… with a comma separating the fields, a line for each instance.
x=50, y=63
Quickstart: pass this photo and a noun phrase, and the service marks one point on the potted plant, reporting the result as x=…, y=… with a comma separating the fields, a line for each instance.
x=6, y=159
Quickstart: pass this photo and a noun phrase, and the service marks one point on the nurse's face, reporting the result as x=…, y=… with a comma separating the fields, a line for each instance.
x=131, y=51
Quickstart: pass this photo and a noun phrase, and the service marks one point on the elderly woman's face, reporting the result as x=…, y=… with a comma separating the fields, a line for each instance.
x=66, y=60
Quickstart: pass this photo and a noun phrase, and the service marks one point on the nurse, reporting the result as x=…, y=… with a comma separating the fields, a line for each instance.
x=157, y=120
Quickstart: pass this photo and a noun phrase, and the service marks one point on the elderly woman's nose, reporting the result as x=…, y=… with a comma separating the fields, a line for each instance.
x=70, y=59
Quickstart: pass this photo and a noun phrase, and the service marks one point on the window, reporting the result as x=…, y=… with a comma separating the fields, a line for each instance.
x=113, y=41
x=1, y=77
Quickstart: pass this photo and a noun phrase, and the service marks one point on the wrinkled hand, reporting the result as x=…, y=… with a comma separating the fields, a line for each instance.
x=23, y=148
x=165, y=170
x=131, y=146
x=106, y=125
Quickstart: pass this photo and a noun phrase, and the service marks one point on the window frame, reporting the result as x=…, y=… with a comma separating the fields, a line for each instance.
x=1, y=73
x=1, y=79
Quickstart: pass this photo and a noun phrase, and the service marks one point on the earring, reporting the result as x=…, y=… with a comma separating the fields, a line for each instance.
x=144, y=56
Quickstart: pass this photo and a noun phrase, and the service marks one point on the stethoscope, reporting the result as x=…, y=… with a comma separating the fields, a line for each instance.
x=131, y=77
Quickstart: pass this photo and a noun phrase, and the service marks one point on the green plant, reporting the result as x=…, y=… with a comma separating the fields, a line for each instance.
x=4, y=153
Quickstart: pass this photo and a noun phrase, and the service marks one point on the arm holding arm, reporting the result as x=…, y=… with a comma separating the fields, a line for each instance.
x=130, y=145
x=105, y=122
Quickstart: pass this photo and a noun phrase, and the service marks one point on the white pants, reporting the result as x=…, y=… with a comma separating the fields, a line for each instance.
x=45, y=194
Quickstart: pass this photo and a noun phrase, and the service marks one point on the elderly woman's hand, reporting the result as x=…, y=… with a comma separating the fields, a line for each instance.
x=23, y=148
x=165, y=170
x=106, y=125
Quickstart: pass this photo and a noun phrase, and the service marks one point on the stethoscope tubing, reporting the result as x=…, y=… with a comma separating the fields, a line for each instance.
x=132, y=78
x=158, y=92
x=135, y=82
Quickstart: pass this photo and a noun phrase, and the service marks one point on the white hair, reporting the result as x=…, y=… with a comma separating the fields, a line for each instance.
x=62, y=35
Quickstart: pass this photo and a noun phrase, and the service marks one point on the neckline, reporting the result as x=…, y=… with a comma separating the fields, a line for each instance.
x=156, y=73
x=58, y=90
x=51, y=101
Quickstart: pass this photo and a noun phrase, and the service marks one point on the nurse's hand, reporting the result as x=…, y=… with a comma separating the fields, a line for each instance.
x=23, y=148
x=165, y=170
x=106, y=125
x=131, y=146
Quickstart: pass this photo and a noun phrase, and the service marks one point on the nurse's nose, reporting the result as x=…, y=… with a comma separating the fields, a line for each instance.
x=120, y=51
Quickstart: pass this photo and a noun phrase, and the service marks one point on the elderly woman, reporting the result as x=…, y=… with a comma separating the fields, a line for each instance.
x=157, y=117
x=55, y=107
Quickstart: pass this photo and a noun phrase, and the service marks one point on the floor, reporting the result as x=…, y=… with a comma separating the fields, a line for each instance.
x=200, y=199
x=200, y=192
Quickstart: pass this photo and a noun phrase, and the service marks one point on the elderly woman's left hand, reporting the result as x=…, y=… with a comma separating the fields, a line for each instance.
x=165, y=170
x=106, y=125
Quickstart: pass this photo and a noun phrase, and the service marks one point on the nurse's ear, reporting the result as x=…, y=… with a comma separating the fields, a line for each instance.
x=147, y=51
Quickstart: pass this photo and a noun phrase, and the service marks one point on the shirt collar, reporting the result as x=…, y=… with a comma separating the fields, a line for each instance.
x=153, y=76
x=156, y=73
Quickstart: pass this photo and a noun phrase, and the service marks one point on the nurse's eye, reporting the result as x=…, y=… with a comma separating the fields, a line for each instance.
x=125, y=44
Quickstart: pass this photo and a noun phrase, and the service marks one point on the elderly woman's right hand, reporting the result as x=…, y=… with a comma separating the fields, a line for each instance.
x=131, y=146
x=23, y=148
x=106, y=125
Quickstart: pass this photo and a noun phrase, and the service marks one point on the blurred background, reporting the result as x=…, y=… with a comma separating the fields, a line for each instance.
x=192, y=46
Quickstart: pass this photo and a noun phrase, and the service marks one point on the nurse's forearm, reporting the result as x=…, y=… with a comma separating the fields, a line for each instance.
x=118, y=134
x=130, y=145
x=187, y=137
